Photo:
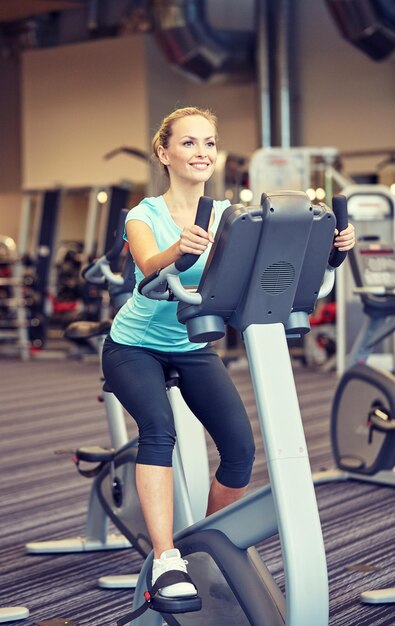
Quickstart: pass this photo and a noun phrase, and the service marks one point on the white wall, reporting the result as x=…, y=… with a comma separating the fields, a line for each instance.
x=235, y=104
x=10, y=211
x=79, y=102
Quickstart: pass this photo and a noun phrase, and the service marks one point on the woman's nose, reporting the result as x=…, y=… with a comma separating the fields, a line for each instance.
x=201, y=150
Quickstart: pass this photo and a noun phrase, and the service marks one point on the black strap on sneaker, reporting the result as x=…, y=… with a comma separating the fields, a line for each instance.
x=164, y=580
x=87, y=473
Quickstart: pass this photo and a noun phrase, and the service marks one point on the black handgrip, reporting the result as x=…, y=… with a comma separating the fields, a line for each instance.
x=203, y=215
x=339, y=206
x=147, y=279
x=92, y=273
x=119, y=241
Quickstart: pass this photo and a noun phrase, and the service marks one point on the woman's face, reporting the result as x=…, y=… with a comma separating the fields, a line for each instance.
x=192, y=152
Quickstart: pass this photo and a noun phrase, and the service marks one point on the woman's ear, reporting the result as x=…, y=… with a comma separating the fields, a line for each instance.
x=162, y=155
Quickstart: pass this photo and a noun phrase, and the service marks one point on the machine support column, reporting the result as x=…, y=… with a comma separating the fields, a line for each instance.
x=290, y=475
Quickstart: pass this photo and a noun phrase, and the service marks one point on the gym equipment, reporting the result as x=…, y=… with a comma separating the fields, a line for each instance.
x=96, y=536
x=298, y=168
x=363, y=410
x=13, y=614
x=371, y=209
x=263, y=277
x=44, y=220
x=14, y=320
x=96, y=533
x=230, y=177
x=113, y=493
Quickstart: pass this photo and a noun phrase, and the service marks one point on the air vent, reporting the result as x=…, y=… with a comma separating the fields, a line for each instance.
x=277, y=277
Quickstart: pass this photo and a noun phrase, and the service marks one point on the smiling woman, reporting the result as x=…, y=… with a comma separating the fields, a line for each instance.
x=170, y=125
x=185, y=145
x=188, y=155
x=146, y=337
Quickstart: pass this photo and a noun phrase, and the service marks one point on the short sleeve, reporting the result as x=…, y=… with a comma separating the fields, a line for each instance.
x=141, y=213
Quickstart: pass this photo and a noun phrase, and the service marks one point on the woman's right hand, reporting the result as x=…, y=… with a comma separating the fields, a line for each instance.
x=194, y=240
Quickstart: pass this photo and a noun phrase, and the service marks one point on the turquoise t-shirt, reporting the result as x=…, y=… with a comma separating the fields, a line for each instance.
x=153, y=323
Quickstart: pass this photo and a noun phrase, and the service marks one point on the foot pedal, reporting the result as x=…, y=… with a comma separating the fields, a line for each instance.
x=156, y=602
x=176, y=605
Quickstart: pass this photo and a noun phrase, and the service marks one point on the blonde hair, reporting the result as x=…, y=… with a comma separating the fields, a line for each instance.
x=163, y=134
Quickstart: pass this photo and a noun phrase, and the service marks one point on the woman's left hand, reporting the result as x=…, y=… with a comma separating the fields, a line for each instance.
x=345, y=240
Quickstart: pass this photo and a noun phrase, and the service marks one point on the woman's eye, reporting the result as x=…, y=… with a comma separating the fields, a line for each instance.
x=188, y=143
x=211, y=144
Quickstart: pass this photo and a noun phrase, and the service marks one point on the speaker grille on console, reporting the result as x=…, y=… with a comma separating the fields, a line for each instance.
x=277, y=277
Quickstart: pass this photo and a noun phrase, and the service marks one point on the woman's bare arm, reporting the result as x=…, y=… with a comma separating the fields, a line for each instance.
x=146, y=254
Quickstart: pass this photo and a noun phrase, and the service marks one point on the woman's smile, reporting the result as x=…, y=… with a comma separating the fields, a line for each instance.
x=200, y=165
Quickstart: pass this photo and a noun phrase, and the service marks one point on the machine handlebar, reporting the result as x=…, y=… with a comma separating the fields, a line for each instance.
x=339, y=206
x=119, y=242
x=99, y=271
x=203, y=215
x=156, y=285
x=165, y=284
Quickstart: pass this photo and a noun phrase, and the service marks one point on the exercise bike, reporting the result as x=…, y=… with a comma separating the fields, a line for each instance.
x=263, y=277
x=363, y=410
x=113, y=494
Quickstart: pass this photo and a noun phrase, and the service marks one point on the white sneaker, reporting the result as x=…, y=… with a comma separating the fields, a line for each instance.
x=171, y=560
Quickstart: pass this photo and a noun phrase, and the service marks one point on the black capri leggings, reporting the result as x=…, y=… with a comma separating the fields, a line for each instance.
x=136, y=376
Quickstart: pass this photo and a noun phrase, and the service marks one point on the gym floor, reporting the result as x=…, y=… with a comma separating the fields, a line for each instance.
x=48, y=405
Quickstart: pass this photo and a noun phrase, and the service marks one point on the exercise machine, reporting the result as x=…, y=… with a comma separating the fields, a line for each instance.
x=363, y=409
x=363, y=414
x=296, y=167
x=113, y=493
x=96, y=531
x=263, y=277
x=371, y=208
